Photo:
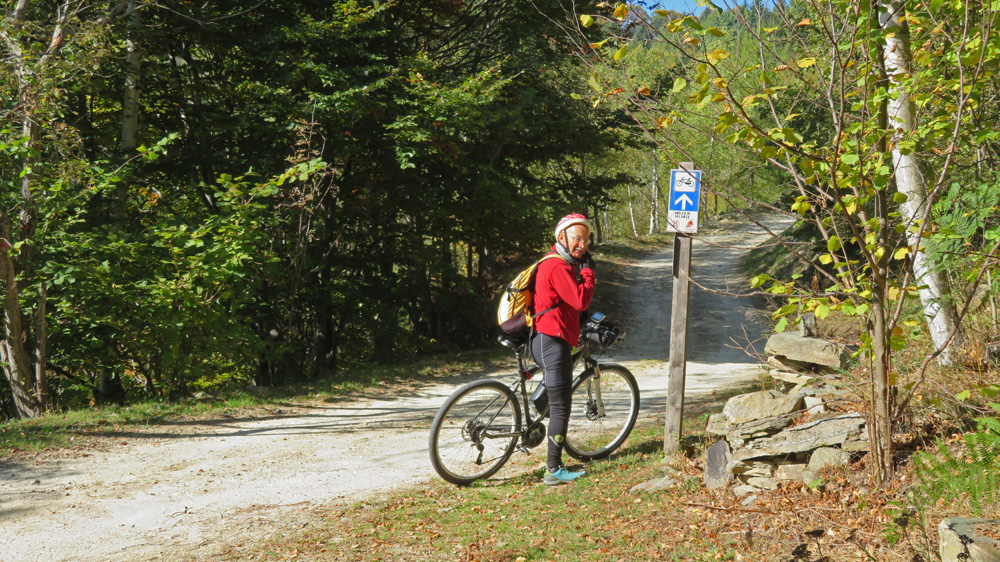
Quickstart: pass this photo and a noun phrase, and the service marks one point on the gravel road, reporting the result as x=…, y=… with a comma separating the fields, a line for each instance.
x=188, y=491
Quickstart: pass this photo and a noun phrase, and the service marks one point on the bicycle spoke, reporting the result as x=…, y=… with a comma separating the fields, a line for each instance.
x=474, y=433
x=602, y=417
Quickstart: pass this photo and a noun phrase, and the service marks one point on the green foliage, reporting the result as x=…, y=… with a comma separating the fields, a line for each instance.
x=758, y=80
x=162, y=305
x=653, y=85
x=356, y=199
x=964, y=474
x=968, y=216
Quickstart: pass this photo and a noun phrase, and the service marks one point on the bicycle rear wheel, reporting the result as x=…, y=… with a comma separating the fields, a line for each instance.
x=602, y=418
x=475, y=432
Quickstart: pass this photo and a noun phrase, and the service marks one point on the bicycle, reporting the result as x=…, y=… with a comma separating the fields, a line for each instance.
x=480, y=425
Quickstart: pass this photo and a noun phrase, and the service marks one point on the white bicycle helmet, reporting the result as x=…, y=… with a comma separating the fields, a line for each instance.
x=570, y=220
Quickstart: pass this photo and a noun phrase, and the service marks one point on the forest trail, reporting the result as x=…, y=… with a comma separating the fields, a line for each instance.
x=192, y=490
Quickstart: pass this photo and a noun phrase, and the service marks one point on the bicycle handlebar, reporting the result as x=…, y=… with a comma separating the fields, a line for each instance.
x=598, y=330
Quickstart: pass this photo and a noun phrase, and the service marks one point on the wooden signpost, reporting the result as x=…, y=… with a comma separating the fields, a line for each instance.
x=682, y=220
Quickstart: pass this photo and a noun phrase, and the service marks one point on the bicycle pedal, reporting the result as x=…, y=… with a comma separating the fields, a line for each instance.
x=522, y=448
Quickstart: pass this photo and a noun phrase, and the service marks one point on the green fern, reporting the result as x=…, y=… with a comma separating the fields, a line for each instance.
x=969, y=476
x=991, y=425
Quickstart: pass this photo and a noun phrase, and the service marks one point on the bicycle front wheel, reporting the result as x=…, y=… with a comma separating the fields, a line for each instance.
x=604, y=411
x=475, y=432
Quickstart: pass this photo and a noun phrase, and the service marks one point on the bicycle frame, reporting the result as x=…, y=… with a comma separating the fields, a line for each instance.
x=521, y=351
x=527, y=373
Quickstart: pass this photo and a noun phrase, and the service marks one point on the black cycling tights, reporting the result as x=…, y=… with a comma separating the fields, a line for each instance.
x=556, y=359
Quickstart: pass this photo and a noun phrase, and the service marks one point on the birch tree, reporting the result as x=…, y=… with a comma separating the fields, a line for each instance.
x=631, y=210
x=39, y=80
x=133, y=68
x=22, y=364
x=911, y=185
x=654, y=196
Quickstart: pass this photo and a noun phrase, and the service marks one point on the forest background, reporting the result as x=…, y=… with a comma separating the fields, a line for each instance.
x=195, y=195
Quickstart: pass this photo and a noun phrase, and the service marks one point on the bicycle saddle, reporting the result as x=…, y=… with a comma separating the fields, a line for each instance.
x=511, y=342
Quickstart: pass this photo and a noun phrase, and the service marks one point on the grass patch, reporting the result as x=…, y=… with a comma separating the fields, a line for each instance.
x=512, y=519
x=598, y=518
x=775, y=260
x=78, y=427
x=423, y=368
x=74, y=427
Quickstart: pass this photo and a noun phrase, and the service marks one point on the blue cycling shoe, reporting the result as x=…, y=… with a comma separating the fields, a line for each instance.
x=561, y=476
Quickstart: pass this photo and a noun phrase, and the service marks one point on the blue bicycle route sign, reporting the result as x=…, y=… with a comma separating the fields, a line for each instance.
x=682, y=210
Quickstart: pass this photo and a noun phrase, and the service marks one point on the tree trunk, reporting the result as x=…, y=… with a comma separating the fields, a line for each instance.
x=41, y=384
x=598, y=227
x=880, y=424
x=13, y=351
x=130, y=103
x=485, y=263
x=27, y=380
x=323, y=344
x=654, y=224
x=939, y=314
x=993, y=304
x=631, y=211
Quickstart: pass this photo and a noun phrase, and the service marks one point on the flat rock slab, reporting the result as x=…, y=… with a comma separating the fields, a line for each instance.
x=791, y=378
x=790, y=472
x=807, y=350
x=969, y=540
x=806, y=437
x=858, y=444
x=718, y=424
x=654, y=485
x=762, y=483
x=814, y=405
x=753, y=468
x=827, y=456
x=760, y=405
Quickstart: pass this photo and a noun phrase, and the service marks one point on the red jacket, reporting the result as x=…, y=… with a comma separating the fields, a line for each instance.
x=557, y=283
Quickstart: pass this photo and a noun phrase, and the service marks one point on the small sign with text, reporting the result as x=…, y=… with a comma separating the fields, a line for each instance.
x=685, y=191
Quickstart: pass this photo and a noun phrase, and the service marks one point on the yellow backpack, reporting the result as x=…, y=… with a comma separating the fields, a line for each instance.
x=516, y=312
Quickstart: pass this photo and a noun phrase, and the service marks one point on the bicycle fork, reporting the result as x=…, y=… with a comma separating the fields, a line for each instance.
x=597, y=390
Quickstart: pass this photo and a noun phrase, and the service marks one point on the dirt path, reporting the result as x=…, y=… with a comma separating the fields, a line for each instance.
x=721, y=329
x=192, y=490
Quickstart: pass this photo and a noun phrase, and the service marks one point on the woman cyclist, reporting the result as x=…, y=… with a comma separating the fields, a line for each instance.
x=563, y=289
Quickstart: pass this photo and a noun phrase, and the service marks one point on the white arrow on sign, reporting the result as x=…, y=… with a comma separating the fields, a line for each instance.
x=684, y=201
